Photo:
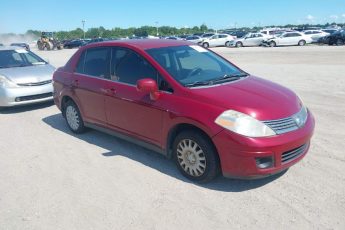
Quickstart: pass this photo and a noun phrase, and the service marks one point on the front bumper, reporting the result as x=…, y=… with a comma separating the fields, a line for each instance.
x=239, y=154
x=25, y=95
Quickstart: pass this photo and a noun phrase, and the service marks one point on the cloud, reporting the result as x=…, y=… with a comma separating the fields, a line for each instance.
x=343, y=15
x=310, y=17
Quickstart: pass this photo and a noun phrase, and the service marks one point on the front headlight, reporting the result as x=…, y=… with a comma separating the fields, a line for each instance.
x=243, y=124
x=6, y=83
x=301, y=117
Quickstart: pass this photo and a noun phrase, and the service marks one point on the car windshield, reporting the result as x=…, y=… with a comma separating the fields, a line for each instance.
x=195, y=66
x=19, y=58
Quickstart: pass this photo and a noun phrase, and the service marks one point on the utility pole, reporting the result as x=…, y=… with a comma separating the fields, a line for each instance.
x=83, y=22
x=157, y=28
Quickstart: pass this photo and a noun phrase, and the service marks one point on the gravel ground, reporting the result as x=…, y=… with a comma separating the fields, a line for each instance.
x=53, y=179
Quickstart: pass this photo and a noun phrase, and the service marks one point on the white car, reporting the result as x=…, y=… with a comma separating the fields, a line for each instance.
x=250, y=39
x=315, y=35
x=292, y=38
x=217, y=40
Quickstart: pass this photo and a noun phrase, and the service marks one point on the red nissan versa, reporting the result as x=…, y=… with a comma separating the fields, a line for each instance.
x=187, y=103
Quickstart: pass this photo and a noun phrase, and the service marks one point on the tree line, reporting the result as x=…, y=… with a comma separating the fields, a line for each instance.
x=118, y=32
x=145, y=31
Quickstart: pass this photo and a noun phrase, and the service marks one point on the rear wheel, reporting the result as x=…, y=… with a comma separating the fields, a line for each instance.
x=73, y=118
x=195, y=156
x=239, y=44
x=227, y=43
x=301, y=43
x=206, y=45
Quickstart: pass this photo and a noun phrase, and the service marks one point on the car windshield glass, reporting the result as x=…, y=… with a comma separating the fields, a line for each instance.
x=195, y=66
x=19, y=58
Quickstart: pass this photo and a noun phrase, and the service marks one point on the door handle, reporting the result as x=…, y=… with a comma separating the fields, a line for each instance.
x=108, y=92
x=75, y=83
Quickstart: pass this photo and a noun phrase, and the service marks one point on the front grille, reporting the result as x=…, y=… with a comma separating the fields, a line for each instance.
x=282, y=125
x=293, y=154
x=33, y=97
x=35, y=83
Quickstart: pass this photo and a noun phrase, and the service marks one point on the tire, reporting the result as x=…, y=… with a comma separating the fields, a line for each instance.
x=273, y=44
x=339, y=42
x=227, y=44
x=239, y=44
x=206, y=45
x=302, y=43
x=195, y=156
x=73, y=117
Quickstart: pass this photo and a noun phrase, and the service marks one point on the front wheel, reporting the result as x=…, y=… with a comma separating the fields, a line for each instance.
x=301, y=43
x=196, y=157
x=73, y=118
x=339, y=42
x=206, y=45
x=239, y=44
x=227, y=44
x=273, y=44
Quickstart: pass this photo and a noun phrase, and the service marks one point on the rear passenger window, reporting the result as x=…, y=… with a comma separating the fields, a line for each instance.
x=95, y=62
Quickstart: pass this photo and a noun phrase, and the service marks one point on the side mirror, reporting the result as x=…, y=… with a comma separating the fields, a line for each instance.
x=148, y=86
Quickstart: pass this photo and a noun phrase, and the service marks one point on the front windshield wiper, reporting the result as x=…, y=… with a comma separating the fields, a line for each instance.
x=198, y=83
x=228, y=77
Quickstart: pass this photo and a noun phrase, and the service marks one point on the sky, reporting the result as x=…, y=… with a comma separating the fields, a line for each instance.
x=18, y=17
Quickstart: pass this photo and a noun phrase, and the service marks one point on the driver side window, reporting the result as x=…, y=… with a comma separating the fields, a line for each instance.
x=128, y=67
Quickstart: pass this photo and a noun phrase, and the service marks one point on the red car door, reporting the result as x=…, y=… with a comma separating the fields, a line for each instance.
x=127, y=109
x=89, y=82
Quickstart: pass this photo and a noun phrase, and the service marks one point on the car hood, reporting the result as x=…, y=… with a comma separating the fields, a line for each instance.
x=254, y=96
x=28, y=74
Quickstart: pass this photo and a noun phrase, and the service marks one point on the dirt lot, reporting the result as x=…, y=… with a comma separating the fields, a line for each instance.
x=53, y=179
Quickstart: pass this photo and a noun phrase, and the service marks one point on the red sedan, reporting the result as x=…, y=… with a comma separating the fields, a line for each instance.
x=186, y=102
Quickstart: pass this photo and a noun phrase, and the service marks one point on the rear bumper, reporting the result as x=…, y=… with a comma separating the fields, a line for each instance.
x=25, y=95
x=239, y=155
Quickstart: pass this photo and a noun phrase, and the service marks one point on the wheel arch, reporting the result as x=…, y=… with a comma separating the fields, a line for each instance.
x=180, y=127
x=64, y=100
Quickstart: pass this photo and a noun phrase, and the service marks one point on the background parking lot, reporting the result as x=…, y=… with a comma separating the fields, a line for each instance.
x=53, y=179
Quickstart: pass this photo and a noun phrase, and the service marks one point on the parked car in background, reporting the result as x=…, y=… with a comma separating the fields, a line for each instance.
x=25, y=78
x=21, y=44
x=183, y=37
x=315, y=35
x=194, y=39
x=217, y=40
x=96, y=40
x=172, y=38
x=337, y=38
x=74, y=44
x=207, y=35
x=271, y=31
x=198, y=34
x=288, y=39
x=330, y=31
x=187, y=103
x=1, y=44
x=250, y=39
x=237, y=33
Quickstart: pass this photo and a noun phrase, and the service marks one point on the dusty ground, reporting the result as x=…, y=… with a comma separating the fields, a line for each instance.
x=52, y=179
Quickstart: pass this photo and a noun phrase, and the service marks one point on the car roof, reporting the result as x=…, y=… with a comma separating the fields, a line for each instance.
x=143, y=43
x=2, y=48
